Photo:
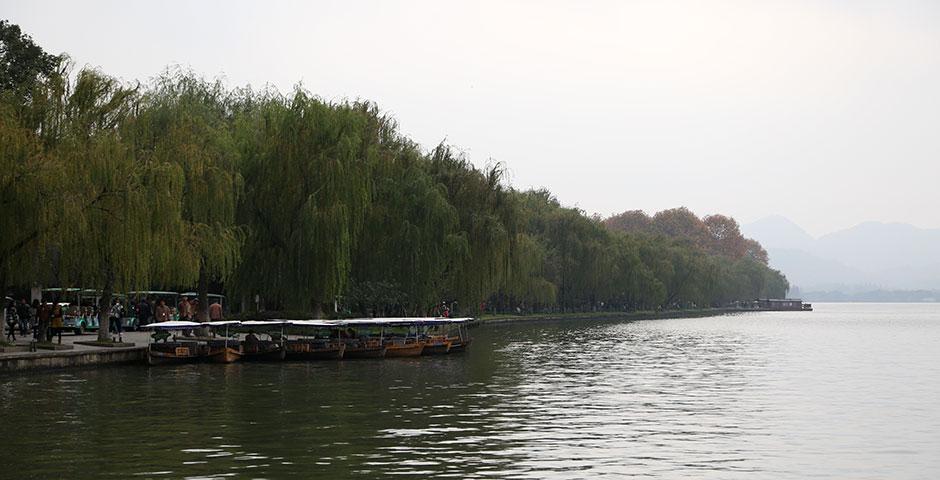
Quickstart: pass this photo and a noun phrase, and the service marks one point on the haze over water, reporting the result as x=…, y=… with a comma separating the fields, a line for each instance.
x=847, y=391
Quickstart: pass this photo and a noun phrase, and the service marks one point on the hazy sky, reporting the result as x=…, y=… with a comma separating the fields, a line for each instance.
x=826, y=112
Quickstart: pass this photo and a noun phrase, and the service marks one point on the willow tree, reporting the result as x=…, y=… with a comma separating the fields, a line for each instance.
x=121, y=232
x=29, y=184
x=306, y=167
x=29, y=189
x=528, y=286
x=185, y=121
x=408, y=239
x=488, y=220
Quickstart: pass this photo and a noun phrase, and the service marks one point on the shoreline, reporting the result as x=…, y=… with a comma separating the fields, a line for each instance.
x=86, y=355
x=504, y=319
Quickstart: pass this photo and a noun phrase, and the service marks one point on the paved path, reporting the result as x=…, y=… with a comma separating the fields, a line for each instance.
x=139, y=339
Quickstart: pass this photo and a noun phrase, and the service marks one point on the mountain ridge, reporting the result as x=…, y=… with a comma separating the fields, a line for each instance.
x=885, y=255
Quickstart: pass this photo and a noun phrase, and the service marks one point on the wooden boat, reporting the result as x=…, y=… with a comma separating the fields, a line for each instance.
x=163, y=350
x=174, y=353
x=364, y=348
x=458, y=344
x=263, y=350
x=437, y=345
x=307, y=349
x=404, y=347
x=224, y=351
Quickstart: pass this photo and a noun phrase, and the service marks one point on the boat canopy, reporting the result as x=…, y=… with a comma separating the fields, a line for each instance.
x=399, y=321
x=311, y=323
x=264, y=323
x=172, y=325
x=361, y=322
x=221, y=323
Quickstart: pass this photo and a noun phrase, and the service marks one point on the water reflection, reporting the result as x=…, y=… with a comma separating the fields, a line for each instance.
x=842, y=392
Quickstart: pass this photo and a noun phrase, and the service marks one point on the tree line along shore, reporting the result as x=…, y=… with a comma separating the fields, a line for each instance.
x=312, y=206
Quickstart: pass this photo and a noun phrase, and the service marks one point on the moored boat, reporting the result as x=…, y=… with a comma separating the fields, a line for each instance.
x=461, y=341
x=315, y=349
x=364, y=348
x=224, y=351
x=306, y=339
x=403, y=347
x=224, y=355
x=174, y=353
x=459, y=344
x=263, y=350
x=437, y=345
x=165, y=351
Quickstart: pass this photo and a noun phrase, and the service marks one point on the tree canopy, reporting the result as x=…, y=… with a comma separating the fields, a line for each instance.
x=313, y=206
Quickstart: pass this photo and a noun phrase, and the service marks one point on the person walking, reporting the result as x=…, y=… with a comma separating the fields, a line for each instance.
x=117, y=317
x=34, y=318
x=10, y=318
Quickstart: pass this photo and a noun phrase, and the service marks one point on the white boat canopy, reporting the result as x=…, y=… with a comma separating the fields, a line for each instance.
x=398, y=321
x=353, y=322
x=173, y=324
x=264, y=323
x=221, y=323
x=311, y=323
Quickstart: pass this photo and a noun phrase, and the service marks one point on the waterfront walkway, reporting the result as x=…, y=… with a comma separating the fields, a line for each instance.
x=79, y=355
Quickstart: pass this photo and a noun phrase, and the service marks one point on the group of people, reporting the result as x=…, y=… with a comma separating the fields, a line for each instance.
x=42, y=319
x=45, y=320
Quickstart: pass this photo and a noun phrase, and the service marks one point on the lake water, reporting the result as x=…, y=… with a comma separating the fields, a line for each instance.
x=847, y=391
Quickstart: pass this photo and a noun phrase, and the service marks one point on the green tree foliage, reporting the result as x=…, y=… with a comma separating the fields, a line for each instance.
x=486, y=227
x=23, y=64
x=306, y=166
x=30, y=191
x=123, y=232
x=306, y=204
x=30, y=186
x=410, y=236
x=187, y=122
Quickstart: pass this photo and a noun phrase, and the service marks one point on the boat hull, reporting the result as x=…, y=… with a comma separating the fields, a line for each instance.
x=329, y=353
x=437, y=348
x=163, y=358
x=263, y=351
x=265, y=356
x=404, y=350
x=437, y=345
x=224, y=355
x=365, y=352
x=458, y=345
x=174, y=354
x=313, y=351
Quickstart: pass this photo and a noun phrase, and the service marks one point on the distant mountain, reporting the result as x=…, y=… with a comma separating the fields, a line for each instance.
x=868, y=257
x=880, y=296
x=875, y=246
x=776, y=231
x=810, y=271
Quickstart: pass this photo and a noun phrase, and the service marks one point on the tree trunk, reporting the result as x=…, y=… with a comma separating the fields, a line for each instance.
x=203, y=314
x=203, y=290
x=104, y=308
